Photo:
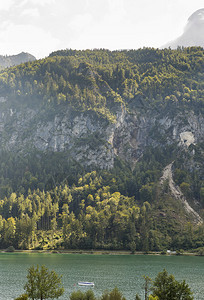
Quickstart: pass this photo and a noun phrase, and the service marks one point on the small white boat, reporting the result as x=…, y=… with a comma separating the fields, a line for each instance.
x=86, y=283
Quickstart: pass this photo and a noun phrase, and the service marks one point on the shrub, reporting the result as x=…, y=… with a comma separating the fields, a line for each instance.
x=10, y=249
x=22, y=297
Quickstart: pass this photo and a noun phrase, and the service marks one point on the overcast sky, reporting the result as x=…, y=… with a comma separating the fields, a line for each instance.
x=42, y=26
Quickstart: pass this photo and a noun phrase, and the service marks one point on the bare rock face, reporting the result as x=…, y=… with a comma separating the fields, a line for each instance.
x=89, y=139
x=193, y=34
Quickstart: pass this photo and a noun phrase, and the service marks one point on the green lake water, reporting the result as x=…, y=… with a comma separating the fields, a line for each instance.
x=107, y=271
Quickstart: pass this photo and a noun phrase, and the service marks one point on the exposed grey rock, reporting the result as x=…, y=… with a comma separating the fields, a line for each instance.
x=89, y=139
x=178, y=195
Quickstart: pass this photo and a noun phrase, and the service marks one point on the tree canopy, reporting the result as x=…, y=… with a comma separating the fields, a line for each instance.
x=166, y=287
x=48, y=200
x=43, y=284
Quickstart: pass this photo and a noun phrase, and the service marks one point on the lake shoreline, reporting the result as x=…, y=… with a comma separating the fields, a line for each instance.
x=98, y=252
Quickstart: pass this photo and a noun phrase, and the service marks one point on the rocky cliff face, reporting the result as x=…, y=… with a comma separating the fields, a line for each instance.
x=91, y=140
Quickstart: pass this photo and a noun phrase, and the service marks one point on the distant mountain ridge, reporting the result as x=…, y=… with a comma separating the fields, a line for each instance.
x=13, y=60
x=193, y=34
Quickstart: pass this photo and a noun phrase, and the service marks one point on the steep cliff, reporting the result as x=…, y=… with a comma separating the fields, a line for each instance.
x=92, y=141
x=100, y=107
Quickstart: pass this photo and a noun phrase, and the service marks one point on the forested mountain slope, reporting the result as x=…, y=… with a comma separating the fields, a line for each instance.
x=13, y=60
x=85, y=137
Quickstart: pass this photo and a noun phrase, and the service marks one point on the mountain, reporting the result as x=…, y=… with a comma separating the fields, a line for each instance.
x=13, y=60
x=193, y=33
x=105, y=149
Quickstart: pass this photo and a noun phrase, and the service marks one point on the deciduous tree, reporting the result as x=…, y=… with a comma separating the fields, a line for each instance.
x=166, y=287
x=43, y=284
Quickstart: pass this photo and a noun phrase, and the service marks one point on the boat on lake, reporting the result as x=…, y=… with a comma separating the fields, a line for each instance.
x=86, y=283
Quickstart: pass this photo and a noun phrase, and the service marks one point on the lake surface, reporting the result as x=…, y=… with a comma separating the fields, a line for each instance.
x=107, y=271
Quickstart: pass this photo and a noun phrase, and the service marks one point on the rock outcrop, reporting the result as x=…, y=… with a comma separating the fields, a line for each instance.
x=91, y=140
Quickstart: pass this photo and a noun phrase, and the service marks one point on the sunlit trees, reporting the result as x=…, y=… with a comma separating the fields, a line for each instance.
x=115, y=294
x=45, y=193
x=166, y=287
x=79, y=295
x=43, y=284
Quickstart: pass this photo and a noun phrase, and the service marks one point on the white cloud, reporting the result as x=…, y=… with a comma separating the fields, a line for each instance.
x=5, y=5
x=27, y=39
x=105, y=32
x=132, y=24
x=47, y=24
x=32, y=12
x=38, y=2
x=80, y=22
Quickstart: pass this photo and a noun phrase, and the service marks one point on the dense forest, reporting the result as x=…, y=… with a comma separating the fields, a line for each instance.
x=50, y=201
x=96, y=80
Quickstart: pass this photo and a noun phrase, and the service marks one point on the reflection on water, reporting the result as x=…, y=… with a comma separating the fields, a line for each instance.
x=107, y=271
